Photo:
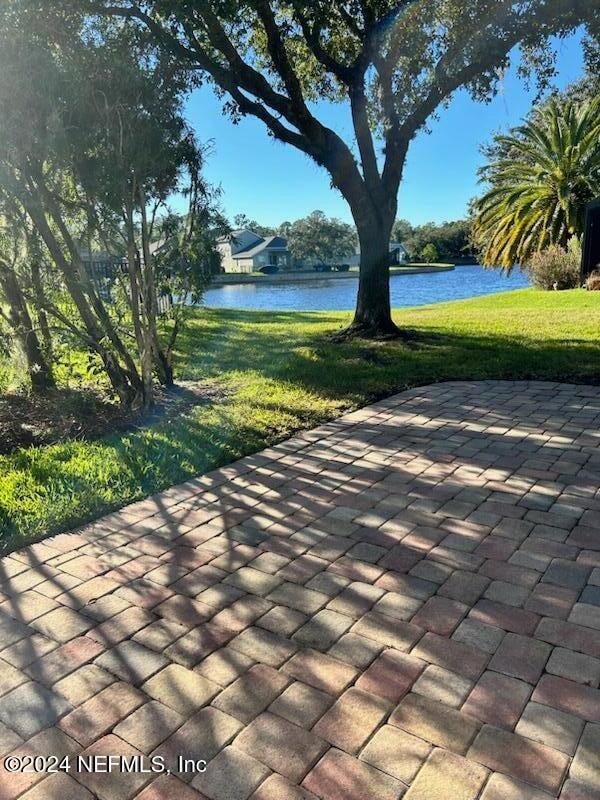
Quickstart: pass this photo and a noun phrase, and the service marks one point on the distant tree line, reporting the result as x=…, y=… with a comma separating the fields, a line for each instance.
x=451, y=240
x=322, y=238
x=314, y=238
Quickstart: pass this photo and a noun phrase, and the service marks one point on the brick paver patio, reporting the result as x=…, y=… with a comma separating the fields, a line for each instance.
x=402, y=603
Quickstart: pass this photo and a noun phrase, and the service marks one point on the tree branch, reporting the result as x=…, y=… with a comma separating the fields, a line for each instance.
x=489, y=53
x=312, y=137
x=278, y=54
x=312, y=34
x=239, y=79
x=364, y=136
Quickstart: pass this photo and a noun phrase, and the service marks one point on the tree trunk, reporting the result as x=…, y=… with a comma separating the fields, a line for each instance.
x=126, y=384
x=373, y=317
x=87, y=289
x=139, y=326
x=163, y=367
x=373, y=201
x=141, y=331
x=40, y=372
x=40, y=306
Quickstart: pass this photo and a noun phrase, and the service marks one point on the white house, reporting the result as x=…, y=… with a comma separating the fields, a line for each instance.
x=246, y=251
x=398, y=253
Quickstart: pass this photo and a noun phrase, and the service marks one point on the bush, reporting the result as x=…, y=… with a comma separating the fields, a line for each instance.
x=593, y=281
x=555, y=268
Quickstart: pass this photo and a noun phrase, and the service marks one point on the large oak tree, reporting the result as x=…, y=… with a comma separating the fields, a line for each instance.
x=393, y=61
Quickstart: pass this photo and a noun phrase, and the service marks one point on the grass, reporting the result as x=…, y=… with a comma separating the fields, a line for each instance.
x=278, y=372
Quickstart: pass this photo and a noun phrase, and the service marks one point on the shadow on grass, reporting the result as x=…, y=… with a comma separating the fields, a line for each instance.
x=249, y=341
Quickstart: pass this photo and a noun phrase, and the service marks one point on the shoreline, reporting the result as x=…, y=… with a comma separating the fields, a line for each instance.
x=233, y=279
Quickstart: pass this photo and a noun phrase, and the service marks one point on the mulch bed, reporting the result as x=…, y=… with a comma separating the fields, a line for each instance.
x=62, y=415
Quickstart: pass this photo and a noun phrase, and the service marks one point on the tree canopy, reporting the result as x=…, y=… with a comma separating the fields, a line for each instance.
x=242, y=221
x=321, y=238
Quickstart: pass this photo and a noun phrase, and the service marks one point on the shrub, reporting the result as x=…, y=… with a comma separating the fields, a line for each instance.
x=593, y=281
x=555, y=268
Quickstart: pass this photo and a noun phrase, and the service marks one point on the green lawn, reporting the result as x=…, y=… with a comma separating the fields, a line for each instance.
x=279, y=373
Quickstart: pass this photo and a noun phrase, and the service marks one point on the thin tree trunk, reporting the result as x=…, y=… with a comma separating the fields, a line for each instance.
x=40, y=306
x=141, y=331
x=126, y=386
x=86, y=285
x=139, y=325
x=162, y=364
x=40, y=372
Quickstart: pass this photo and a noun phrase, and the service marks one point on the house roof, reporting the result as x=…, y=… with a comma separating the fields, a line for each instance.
x=229, y=237
x=270, y=243
x=158, y=245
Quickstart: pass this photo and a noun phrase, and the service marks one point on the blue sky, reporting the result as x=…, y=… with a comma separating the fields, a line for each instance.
x=272, y=182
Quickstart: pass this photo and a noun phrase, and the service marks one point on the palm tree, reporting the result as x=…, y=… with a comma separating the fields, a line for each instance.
x=541, y=176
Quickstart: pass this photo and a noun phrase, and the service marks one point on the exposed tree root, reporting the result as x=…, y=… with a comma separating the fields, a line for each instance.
x=387, y=331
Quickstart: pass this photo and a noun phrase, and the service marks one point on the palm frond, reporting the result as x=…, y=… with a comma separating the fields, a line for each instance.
x=543, y=174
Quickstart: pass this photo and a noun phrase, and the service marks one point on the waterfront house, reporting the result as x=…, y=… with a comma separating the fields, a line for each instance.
x=246, y=251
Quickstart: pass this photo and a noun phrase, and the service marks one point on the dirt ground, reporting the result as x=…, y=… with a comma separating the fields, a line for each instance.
x=28, y=421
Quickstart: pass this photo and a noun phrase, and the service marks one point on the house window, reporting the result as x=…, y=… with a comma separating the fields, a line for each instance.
x=273, y=259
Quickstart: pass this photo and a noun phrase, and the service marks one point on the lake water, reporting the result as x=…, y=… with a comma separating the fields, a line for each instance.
x=335, y=294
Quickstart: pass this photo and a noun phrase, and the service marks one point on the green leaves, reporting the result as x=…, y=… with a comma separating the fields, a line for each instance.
x=318, y=237
x=541, y=177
